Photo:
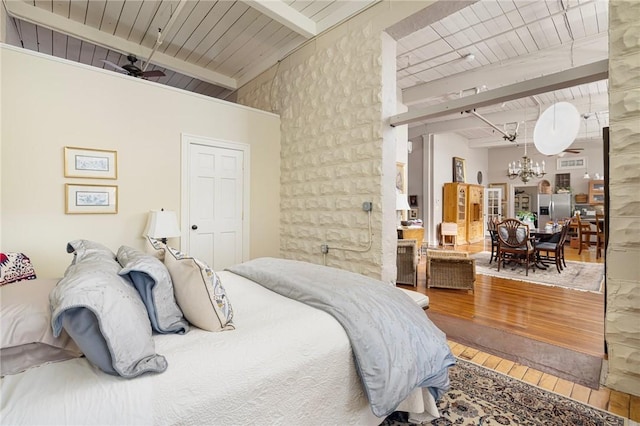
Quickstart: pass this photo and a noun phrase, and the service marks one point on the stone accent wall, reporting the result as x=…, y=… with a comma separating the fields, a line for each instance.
x=330, y=97
x=623, y=253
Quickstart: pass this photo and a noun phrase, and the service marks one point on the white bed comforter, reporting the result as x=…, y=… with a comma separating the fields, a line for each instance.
x=286, y=363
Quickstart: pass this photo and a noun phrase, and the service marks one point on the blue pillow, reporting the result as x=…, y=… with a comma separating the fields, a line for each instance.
x=152, y=281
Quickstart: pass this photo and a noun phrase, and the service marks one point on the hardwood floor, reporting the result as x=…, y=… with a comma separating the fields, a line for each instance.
x=567, y=318
x=555, y=315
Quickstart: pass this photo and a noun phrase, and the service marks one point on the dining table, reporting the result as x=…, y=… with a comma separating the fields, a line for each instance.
x=546, y=233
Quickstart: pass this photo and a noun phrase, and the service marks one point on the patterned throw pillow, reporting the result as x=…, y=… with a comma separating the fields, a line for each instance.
x=15, y=267
x=199, y=292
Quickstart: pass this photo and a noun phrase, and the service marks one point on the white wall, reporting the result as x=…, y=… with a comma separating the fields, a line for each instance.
x=500, y=157
x=445, y=147
x=492, y=162
x=49, y=103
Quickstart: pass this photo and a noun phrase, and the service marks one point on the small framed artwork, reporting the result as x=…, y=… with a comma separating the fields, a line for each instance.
x=572, y=163
x=400, y=178
x=458, y=170
x=413, y=214
x=91, y=199
x=90, y=163
x=413, y=200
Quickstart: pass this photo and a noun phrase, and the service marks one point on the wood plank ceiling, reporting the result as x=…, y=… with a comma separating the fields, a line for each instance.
x=492, y=44
x=209, y=47
x=213, y=47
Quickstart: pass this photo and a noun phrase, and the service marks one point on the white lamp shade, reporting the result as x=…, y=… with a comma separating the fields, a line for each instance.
x=556, y=128
x=401, y=202
x=162, y=224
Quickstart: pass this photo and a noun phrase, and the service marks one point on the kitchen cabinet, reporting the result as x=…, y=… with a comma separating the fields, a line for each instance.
x=596, y=191
x=522, y=202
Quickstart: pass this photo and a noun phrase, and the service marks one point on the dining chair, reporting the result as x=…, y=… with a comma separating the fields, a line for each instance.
x=492, y=227
x=515, y=244
x=584, y=233
x=599, y=234
x=554, y=248
x=567, y=223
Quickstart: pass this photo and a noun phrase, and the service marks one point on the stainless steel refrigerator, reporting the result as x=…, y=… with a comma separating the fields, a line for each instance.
x=553, y=207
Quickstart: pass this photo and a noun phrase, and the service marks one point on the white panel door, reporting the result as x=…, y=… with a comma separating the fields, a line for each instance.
x=215, y=205
x=493, y=205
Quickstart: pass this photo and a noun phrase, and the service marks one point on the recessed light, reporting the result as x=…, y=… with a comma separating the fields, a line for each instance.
x=469, y=57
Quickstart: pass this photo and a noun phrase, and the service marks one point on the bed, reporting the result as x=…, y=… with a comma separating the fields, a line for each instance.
x=279, y=361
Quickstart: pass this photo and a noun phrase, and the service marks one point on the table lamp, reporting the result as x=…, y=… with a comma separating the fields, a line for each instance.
x=401, y=205
x=162, y=224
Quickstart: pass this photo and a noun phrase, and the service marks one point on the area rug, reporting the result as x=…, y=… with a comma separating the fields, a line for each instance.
x=583, y=276
x=570, y=365
x=479, y=396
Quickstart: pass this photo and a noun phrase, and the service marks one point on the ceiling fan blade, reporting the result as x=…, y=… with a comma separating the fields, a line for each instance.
x=114, y=66
x=573, y=150
x=153, y=73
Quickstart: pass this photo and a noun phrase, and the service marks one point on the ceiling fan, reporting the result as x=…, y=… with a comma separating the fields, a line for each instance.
x=573, y=150
x=568, y=150
x=132, y=70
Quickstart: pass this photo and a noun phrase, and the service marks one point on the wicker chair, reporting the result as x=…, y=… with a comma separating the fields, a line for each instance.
x=407, y=262
x=450, y=269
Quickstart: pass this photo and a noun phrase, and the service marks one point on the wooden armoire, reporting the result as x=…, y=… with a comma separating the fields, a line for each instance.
x=463, y=204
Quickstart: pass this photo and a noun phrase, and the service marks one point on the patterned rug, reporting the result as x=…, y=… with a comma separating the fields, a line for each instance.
x=583, y=276
x=479, y=396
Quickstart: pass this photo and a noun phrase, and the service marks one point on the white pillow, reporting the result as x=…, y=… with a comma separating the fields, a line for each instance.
x=27, y=338
x=199, y=292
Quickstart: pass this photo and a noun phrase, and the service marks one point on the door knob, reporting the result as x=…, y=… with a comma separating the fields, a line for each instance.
x=194, y=227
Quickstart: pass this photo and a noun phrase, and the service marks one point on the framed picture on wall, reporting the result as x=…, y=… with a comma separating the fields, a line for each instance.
x=88, y=199
x=458, y=170
x=90, y=163
x=568, y=163
x=413, y=200
x=413, y=214
x=400, y=185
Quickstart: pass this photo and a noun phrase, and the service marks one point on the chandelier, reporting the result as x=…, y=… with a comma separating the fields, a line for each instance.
x=524, y=169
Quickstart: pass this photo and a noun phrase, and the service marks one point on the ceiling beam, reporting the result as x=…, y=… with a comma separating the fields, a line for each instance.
x=584, y=105
x=493, y=142
x=433, y=13
x=289, y=17
x=41, y=17
x=580, y=75
x=547, y=61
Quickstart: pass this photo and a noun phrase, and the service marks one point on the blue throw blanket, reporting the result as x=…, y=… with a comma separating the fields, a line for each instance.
x=396, y=347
